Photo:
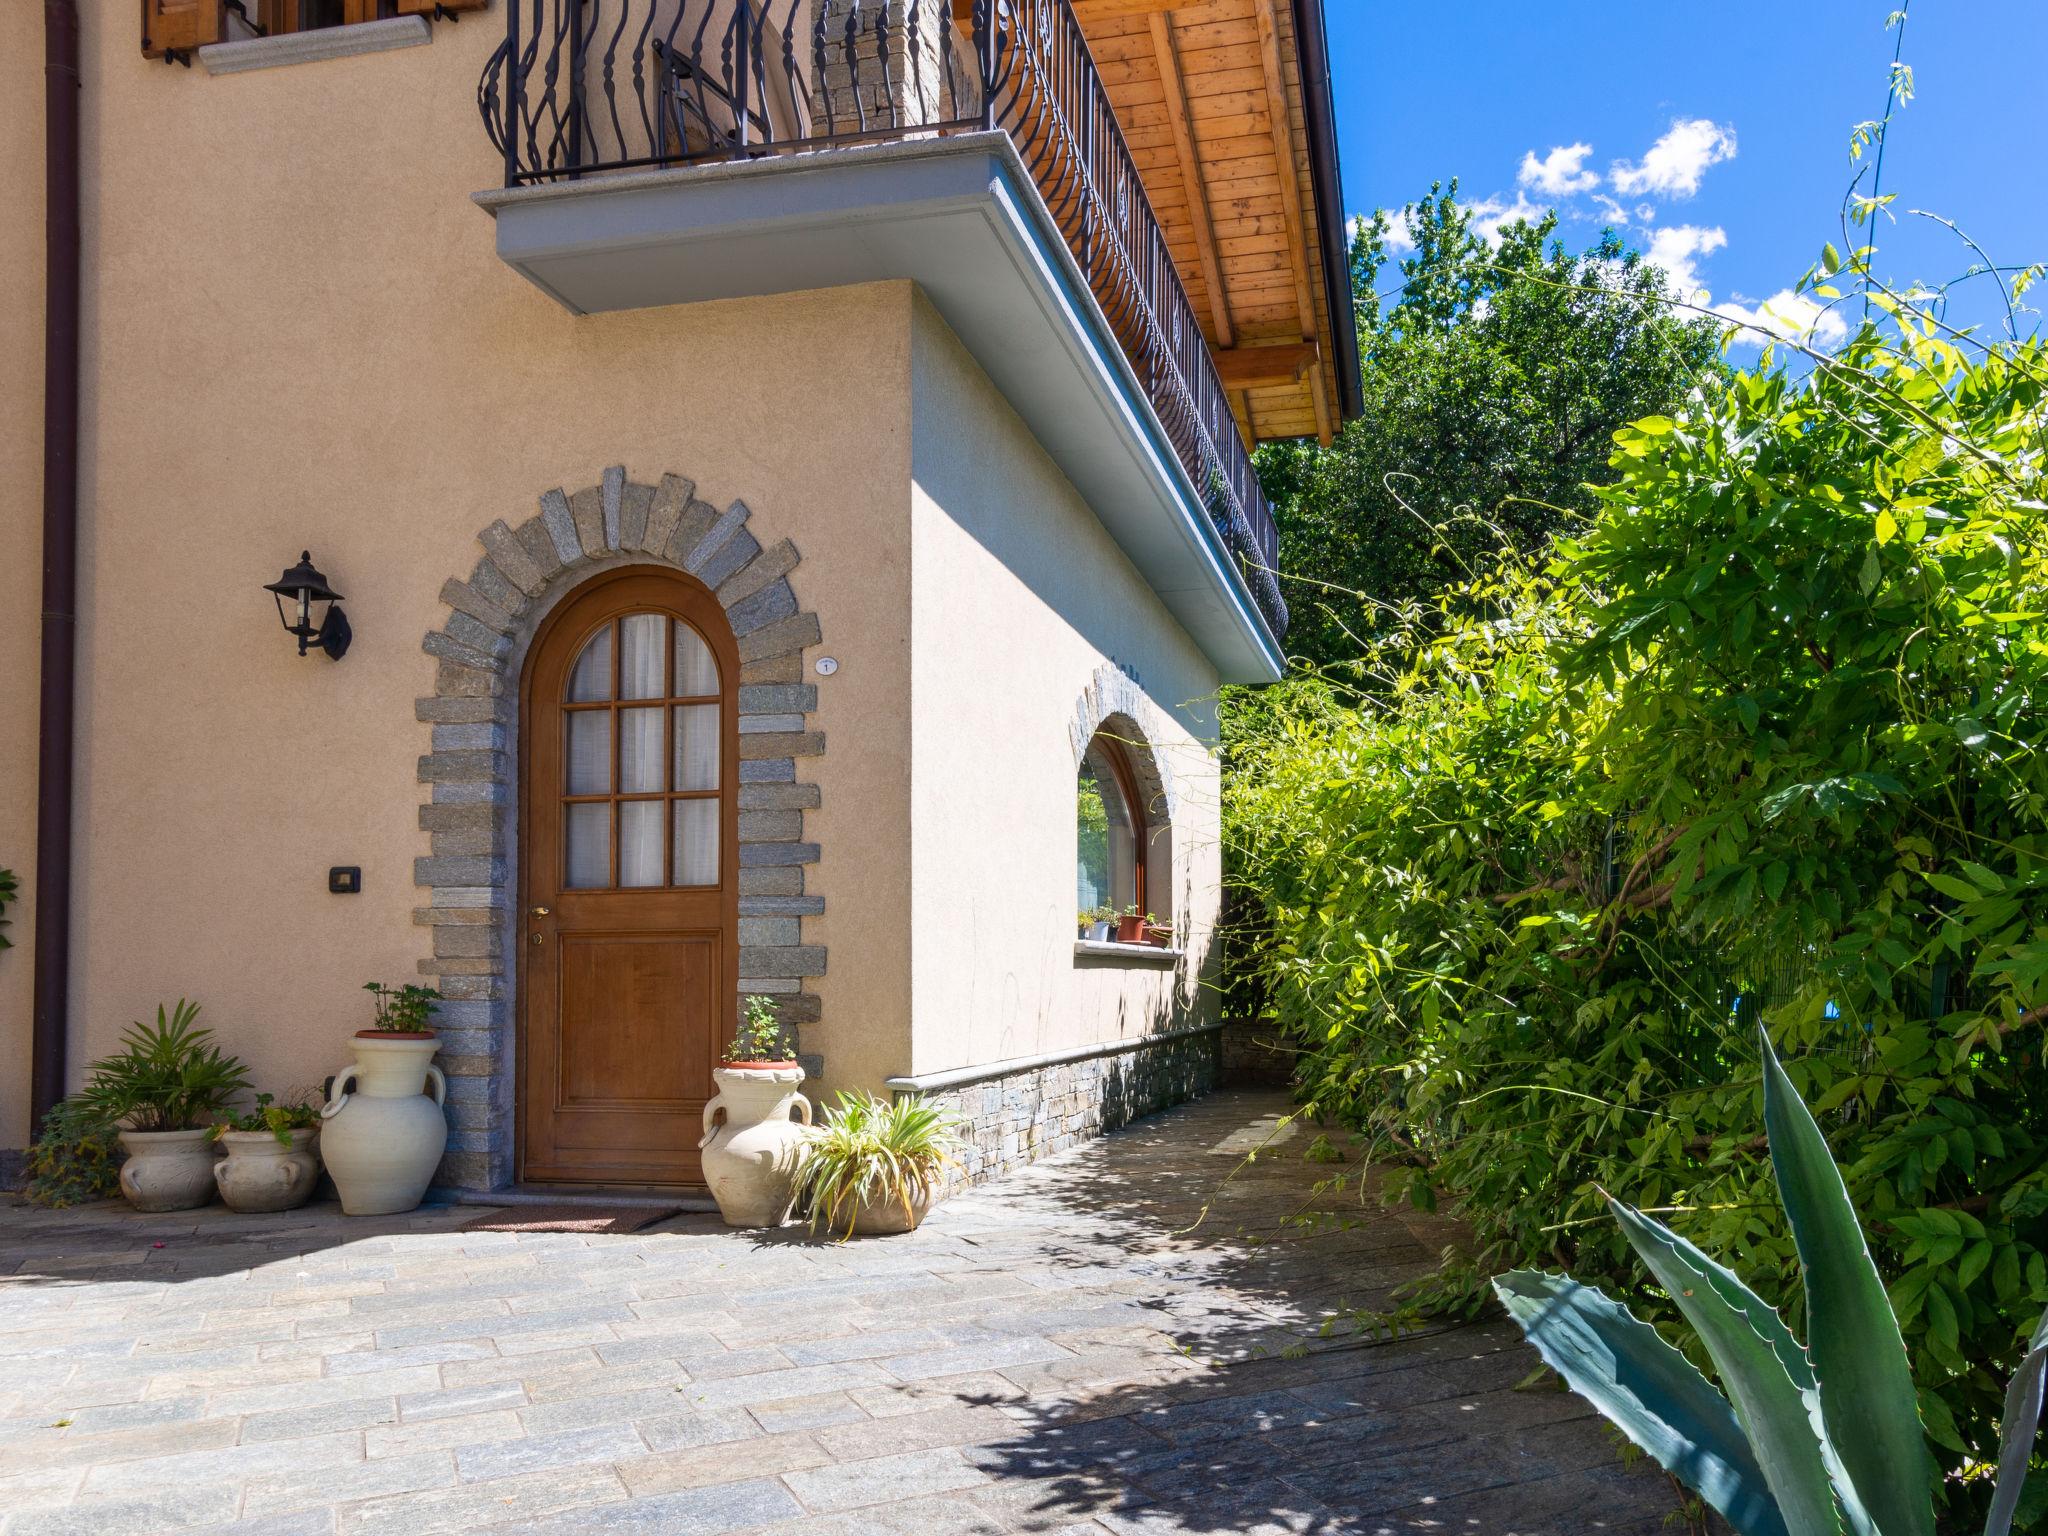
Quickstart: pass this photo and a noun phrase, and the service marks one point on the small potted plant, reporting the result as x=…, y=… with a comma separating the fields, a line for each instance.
x=1131, y=925
x=271, y=1163
x=163, y=1090
x=1098, y=924
x=383, y=1140
x=1158, y=934
x=750, y=1158
x=874, y=1166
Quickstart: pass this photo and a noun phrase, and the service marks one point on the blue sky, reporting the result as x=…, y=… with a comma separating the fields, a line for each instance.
x=1718, y=133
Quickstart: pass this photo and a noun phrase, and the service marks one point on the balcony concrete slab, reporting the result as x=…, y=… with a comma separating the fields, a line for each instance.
x=960, y=216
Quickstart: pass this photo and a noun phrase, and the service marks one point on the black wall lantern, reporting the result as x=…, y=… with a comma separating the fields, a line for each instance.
x=305, y=586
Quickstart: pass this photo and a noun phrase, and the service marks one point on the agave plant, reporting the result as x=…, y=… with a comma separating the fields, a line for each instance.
x=872, y=1152
x=168, y=1078
x=1821, y=1439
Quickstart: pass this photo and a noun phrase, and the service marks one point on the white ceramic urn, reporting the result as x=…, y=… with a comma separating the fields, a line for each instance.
x=383, y=1140
x=168, y=1170
x=261, y=1173
x=750, y=1159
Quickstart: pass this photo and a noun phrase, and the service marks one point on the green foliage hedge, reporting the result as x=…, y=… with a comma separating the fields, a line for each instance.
x=1764, y=740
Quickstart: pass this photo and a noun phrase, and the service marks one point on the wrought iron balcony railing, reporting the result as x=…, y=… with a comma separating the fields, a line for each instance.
x=581, y=87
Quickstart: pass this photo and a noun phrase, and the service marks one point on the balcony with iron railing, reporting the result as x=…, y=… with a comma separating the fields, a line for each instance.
x=588, y=89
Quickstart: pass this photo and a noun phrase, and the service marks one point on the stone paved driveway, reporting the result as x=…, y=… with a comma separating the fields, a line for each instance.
x=1056, y=1352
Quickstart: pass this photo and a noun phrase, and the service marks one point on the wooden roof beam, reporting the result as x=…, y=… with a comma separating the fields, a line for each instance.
x=1191, y=177
x=1266, y=367
x=1290, y=202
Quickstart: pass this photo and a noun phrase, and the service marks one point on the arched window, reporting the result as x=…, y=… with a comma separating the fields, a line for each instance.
x=1111, y=833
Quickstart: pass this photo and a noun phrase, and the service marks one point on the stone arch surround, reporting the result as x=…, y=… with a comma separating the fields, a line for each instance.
x=471, y=873
x=1112, y=701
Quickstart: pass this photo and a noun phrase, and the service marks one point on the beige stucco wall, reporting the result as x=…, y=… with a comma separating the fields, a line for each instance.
x=299, y=336
x=21, y=502
x=1019, y=597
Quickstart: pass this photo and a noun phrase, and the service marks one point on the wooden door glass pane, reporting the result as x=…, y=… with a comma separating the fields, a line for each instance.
x=641, y=768
x=697, y=746
x=640, y=843
x=587, y=847
x=643, y=656
x=696, y=842
x=696, y=667
x=591, y=680
x=590, y=752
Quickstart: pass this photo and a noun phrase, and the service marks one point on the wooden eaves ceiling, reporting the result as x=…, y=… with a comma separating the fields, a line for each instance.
x=1209, y=93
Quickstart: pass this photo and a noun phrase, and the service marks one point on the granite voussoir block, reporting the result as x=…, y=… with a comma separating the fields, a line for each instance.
x=776, y=561
x=772, y=880
x=783, y=636
x=778, y=670
x=782, y=960
x=559, y=519
x=586, y=511
x=786, y=699
x=771, y=826
x=512, y=559
x=729, y=522
x=635, y=501
x=611, y=500
x=461, y=767
x=465, y=599
x=492, y=585
x=776, y=770
x=768, y=606
x=696, y=521
x=457, y=710
x=734, y=553
x=665, y=511
x=539, y=542
x=448, y=648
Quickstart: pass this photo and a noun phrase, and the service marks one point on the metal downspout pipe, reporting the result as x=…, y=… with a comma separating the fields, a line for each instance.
x=60, y=560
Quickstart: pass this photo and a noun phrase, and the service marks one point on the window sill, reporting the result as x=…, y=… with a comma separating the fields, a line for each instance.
x=315, y=45
x=1108, y=951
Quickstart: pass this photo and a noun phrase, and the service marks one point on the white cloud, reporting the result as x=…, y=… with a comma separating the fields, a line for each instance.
x=1399, y=240
x=1490, y=213
x=1610, y=210
x=1676, y=162
x=1677, y=248
x=1561, y=173
x=1785, y=313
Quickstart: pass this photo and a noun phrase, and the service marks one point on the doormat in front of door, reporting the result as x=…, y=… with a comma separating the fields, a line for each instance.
x=571, y=1218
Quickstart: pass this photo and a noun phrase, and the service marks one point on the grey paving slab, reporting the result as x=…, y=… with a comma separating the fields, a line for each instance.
x=1128, y=1338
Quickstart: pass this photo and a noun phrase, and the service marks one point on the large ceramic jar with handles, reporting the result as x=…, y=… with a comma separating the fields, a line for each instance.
x=750, y=1144
x=381, y=1136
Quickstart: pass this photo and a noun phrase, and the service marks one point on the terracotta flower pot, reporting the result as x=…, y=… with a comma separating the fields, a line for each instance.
x=1130, y=930
x=383, y=1142
x=750, y=1159
x=168, y=1170
x=1159, y=935
x=260, y=1173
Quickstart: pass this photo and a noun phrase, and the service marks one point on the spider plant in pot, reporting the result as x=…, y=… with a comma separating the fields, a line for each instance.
x=750, y=1143
x=874, y=1166
x=271, y=1163
x=163, y=1090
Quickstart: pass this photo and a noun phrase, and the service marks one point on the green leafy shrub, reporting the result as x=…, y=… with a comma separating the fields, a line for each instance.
x=300, y=1112
x=1763, y=740
x=406, y=1010
x=75, y=1159
x=873, y=1151
x=760, y=1036
x=168, y=1078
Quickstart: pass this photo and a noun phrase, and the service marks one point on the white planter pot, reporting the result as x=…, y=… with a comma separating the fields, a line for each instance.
x=260, y=1173
x=750, y=1159
x=167, y=1170
x=383, y=1141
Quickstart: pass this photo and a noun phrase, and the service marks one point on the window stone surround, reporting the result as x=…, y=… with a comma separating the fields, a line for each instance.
x=471, y=872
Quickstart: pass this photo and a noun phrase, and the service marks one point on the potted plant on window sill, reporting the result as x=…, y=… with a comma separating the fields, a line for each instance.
x=163, y=1091
x=874, y=1166
x=750, y=1157
x=1159, y=935
x=383, y=1141
x=1131, y=926
x=1098, y=924
x=271, y=1164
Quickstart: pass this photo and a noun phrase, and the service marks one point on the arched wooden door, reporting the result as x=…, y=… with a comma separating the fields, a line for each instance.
x=629, y=915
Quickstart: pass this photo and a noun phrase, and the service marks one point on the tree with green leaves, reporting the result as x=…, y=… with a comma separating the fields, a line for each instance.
x=1494, y=379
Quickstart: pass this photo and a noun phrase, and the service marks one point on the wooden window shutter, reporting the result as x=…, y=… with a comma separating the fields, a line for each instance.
x=182, y=25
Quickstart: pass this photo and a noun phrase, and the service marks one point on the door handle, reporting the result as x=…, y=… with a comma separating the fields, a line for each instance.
x=540, y=911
